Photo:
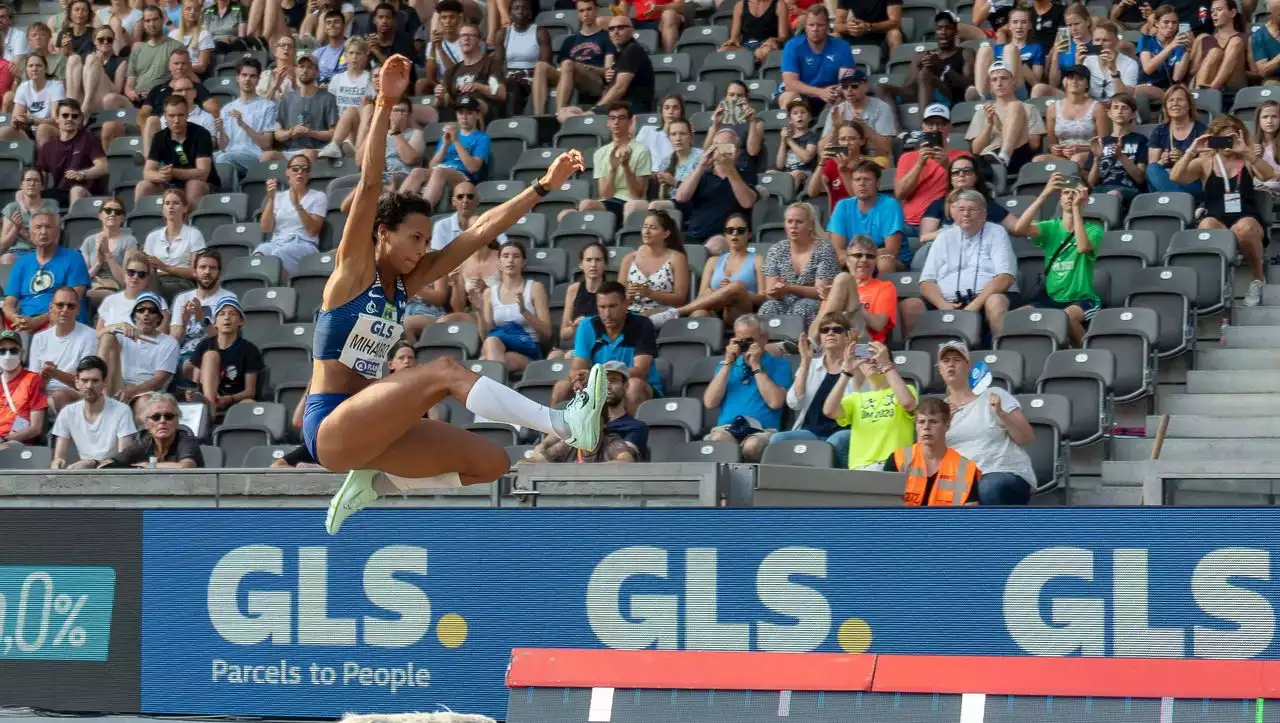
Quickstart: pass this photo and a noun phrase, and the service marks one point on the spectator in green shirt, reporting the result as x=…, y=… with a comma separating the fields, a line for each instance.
x=1070, y=250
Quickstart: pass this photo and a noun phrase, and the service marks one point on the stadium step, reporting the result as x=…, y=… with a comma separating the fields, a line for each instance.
x=1200, y=426
x=1270, y=295
x=1253, y=337
x=1256, y=316
x=1219, y=405
x=1231, y=382
x=1238, y=359
x=1137, y=450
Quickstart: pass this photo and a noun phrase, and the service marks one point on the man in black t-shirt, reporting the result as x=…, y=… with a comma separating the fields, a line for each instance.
x=630, y=78
x=181, y=157
x=870, y=22
x=580, y=66
x=229, y=364
x=163, y=439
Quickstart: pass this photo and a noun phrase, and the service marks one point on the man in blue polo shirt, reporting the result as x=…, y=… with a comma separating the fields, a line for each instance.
x=750, y=388
x=812, y=61
x=615, y=334
x=871, y=213
x=37, y=275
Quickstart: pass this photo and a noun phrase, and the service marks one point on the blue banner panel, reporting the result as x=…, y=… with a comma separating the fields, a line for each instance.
x=261, y=613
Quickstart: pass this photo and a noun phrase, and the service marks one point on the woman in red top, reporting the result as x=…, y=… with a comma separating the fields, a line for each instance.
x=838, y=160
x=857, y=290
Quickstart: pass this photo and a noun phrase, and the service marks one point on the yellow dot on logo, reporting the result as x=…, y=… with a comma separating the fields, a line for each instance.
x=854, y=636
x=451, y=630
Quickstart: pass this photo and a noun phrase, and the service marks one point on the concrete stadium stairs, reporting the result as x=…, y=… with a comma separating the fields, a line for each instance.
x=1225, y=408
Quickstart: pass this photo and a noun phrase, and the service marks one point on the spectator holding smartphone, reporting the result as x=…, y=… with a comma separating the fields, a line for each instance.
x=834, y=176
x=735, y=113
x=1118, y=162
x=878, y=119
x=922, y=174
x=1110, y=71
x=814, y=382
x=1163, y=56
x=1073, y=39
x=873, y=402
x=721, y=184
x=941, y=75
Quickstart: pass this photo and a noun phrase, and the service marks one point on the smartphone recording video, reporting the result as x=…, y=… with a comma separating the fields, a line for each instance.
x=1221, y=143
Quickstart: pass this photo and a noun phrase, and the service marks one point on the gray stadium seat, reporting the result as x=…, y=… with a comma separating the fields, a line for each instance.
x=782, y=327
x=869, y=56
x=532, y=164
x=1130, y=335
x=800, y=453
x=251, y=272
x=700, y=41
x=493, y=369
x=1007, y=368
x=1163, y=213
x=500, y=433
x=1033, y=177
x=1106, y=209
x=1211, y=254
x=456, y=339
x=519, y=453
x=779, y=184
x=918, y=368
x=668, y=70
x=1122, y=254
x=908, y=283
x=565, y=198
x=697, y=96
x=672, y=422
x=247, y=425
x=309, y=281
x=530, y=228
x=693, y=381
x=718, y=452
x=213, y=457
x=286, y=356
x=509, y=138
x=233, y=207
x=935, y=327
x=254, y=183
x=263, y=456
x=1030, y=267
x=80, y=221
x=685, y=341
x=1085, y=377
x=1249, y=98
x=1049, y=416
x=540, y=378
x=583, y=132
x=495, y=193
x=1035, y=334
x=579, y=228
x=554, y=261
x=271, y=306
x=234, y=240
x=1208, y=103
x=26, y=457
x=721, y=68
x=1170, y=292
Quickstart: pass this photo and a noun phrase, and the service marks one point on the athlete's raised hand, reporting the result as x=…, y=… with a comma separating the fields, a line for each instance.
x=394, y=78
x=565, y=165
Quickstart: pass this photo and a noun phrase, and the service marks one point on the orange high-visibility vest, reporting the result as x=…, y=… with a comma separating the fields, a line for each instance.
x=956, y=475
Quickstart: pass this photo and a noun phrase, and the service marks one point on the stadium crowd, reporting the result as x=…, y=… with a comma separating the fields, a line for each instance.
x=689, y=216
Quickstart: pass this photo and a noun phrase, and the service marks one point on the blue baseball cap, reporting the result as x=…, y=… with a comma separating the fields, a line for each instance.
x=147, y=297
x=853, y=76
x=228, y=301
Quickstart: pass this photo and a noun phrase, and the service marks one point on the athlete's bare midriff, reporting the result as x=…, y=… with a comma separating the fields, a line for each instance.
x=330, y=376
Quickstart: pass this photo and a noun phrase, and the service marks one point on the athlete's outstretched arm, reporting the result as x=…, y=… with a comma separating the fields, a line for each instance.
x=491, y=223
x=355, y=253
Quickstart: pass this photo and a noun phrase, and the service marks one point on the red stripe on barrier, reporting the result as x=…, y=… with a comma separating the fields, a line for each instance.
x=688, y=670
x=692, y=670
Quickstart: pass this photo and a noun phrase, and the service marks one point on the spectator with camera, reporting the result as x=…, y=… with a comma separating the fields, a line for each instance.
x=623, y=439
x=867, y=212
x=1020, y=56
x=721, y=184
x=921, y=176
x=97, y=425
x=1111, y=72
x=876, y=119
x=35, y=276
x=164, y=444
x=874, y=404
x=1071, y=249
x=988, y=428
x=749, y=388
x=841, y=155
x=1229, y=166
x=615, y=334
x=812, y=61
x=140, y=357
x=1075, y=36
x=22, y=413
x=735, y=113
x=1008, y=130
x=813, y=383
x=798, y=146
x=58, y=349
x=937, y=474
x=1163, y=59
x=1118, y=162
x=15, y=235
x=971, y=267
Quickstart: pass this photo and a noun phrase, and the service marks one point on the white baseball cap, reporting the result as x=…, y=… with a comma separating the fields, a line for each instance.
x=937, y=110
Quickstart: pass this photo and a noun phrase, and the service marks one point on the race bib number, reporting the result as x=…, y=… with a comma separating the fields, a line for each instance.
x=368, y=344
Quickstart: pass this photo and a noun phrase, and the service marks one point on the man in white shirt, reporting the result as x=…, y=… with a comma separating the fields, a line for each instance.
x=464, y=205
x=98, y=425
x=56, y=351
x=971, y=267
x=193, y=310
x=1110, y=71
x=245, y=131
x=140, y=360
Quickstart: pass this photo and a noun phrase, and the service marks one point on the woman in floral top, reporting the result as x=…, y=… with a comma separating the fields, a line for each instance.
x=798, y=272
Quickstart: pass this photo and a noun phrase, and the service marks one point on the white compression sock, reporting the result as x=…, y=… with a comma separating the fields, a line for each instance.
x=492, y=400
x=440, y=481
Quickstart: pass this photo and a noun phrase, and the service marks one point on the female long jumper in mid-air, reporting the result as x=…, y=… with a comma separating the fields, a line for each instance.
x=370, y=426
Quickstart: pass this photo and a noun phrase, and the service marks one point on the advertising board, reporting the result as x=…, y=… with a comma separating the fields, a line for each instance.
x=262, y=613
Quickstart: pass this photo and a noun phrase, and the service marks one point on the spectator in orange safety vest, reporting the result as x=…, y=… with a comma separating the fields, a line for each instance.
x=936, y=474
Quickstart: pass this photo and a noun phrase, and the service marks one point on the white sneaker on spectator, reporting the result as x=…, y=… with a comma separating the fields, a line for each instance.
x=1253, y=296
x=330, y=150
x=349, y=148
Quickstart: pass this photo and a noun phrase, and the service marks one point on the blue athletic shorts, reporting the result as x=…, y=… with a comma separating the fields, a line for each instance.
x=318, y=407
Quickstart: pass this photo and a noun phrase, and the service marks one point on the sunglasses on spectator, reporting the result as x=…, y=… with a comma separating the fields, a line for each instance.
x=163, y=416
x=833, y=330
x=103, y=39
x=148, y=310
x=962, y=171
x=300, y=168
x=862, y=256
x=69, y=116
x=735, y=230
x=113, y=210
x=64, y=304
x=10, y=351
x=464, y=196
x=136, y=274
